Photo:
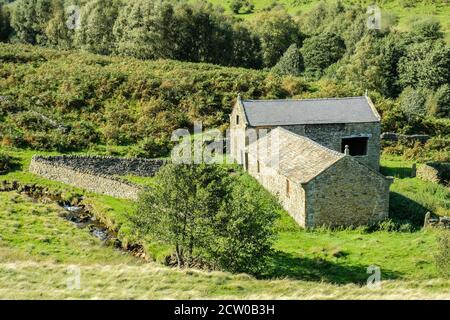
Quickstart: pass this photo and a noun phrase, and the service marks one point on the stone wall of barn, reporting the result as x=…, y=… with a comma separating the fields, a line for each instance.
x=237, y=134
x=293, y=201
x=331, y=135
x=347, y=194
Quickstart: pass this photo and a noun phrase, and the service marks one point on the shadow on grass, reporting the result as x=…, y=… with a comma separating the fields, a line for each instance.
x=397, y=172
x=13, y=166
x=287, y=265
x=403, y=209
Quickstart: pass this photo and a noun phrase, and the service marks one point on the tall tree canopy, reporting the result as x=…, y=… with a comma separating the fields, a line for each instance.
x=96, y=25
x=321, y=51
x=277, y=31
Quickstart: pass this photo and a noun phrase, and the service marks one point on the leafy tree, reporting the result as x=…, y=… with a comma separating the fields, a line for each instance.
x=180, y=209
x=425, y=64
x=208, y=216
x=412, y=101
x=29, y=20
x=277, y=31
x=97, y=22
x=145, y=29
x=373, y=65
x=203, y=34
x=246, y=48
x=291, y=63
x=438, y=104
x=392, y=49
x=244, y=228
x=56, y=31
x=321, y=51
x=5, y=26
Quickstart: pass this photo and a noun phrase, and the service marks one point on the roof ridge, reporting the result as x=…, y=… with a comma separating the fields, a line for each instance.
x=307, y=99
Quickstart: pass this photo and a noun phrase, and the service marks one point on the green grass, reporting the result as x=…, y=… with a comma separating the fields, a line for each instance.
x=37, y=246
x=411, y=198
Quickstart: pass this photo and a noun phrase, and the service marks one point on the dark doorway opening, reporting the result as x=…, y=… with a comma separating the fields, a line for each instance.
x=357, y=146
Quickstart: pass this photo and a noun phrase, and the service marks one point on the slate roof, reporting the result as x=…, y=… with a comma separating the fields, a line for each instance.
x=296, y=157
x=309, y=111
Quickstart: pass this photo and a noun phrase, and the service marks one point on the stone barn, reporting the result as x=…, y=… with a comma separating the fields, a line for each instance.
x=319, y=156
x=333, y=123
x=316, y=185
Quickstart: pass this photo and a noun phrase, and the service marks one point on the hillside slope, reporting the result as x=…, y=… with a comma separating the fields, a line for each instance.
x=405, y=11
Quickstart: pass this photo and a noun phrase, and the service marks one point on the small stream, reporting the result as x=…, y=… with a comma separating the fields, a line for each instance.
x=82, y=218
x=75, y=212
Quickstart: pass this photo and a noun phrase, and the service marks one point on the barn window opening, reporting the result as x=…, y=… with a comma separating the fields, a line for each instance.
x=237, y=119
x=357, y=146
x=257, y=166
x=288, y=187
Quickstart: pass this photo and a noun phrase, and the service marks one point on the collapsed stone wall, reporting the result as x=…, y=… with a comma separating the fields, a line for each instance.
x=438, y=172
x=96, y=174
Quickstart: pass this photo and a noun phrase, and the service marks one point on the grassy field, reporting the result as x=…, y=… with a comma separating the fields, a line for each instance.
x=405, y=11
x=37, y=248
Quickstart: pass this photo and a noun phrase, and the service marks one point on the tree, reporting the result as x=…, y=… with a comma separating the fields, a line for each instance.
x=145, y=30
x=179, y=209
x=438, y=104
x=203, y=34
x=291, y=63
x=207, y=216
x=392, y=49
x=426, y=64
x=29, y=20
x=246, y=48
x=5, y=26
x=321, y=51
x=277, y=31
x=97, y=22
x=244, y=228
x=412, y=101
x=56, y=32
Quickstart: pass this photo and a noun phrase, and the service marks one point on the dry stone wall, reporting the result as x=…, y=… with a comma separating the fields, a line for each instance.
x=108, y=165
x=438, y=172
x=96, y=174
